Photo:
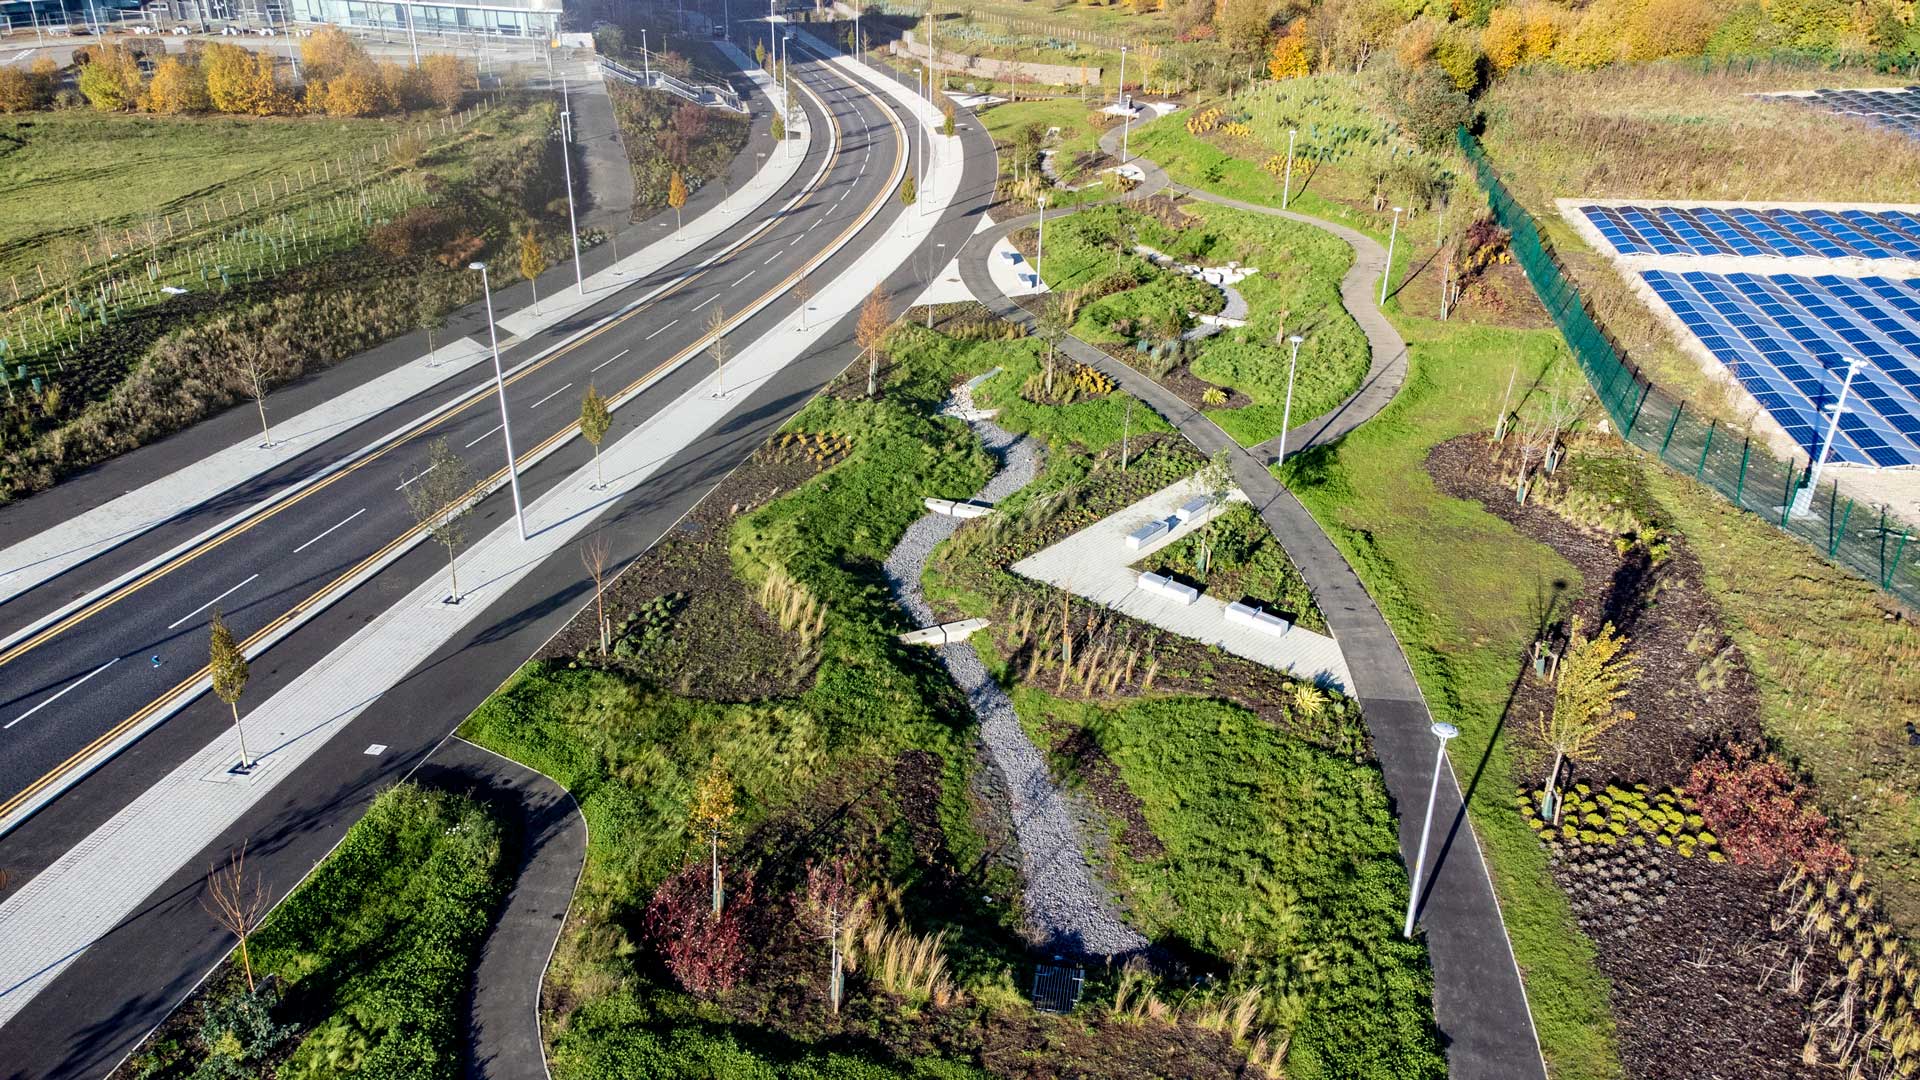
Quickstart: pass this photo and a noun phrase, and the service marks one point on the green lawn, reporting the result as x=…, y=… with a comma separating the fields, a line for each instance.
x=371, y=957
x=1282, y=858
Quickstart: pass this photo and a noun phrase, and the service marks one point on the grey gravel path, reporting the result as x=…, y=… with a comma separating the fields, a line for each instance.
x=1067, y=910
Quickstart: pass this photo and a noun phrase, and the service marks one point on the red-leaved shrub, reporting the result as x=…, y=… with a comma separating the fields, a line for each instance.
x=1762, y=814
x=706, y=955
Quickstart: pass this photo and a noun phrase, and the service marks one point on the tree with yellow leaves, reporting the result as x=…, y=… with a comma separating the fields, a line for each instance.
x=179, y=86
x=446, y=78
x=712, y=819
x=533, y=263
x=1505, y=39
x=1591, y=681
x=1291, y=56
x=328, y=52
x=357, y=91
x=241, y=81
x=677, y=196
x=110, y=78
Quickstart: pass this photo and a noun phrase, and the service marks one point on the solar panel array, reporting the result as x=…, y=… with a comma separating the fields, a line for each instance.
x=1898, y=110
x=1673, y=230
x=1788, y=340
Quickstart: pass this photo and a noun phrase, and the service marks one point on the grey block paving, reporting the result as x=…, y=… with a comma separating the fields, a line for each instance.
x=1480, y=1003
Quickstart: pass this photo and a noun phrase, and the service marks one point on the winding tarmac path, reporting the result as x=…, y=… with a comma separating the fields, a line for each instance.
x=1480, y=1004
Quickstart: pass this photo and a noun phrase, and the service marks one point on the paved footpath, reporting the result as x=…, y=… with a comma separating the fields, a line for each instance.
x=1480, y=1003
x=549, y=840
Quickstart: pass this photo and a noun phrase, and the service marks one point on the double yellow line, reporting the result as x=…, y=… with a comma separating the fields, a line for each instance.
x=167, y=698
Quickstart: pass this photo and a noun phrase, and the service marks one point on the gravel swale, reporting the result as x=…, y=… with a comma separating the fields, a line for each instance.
x=1067, y=910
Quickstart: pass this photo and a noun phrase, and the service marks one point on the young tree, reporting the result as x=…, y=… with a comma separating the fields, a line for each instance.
x=712, y=818
x=718, y=347
x=446, y=78
x=869, y=332
x=1051, y=324
x=533, y=263
x=803, y=292
x=829, y=904
x=1593, y=677
x=248, y=364
x=594, y=422
x=676, y=196
x=237, y=900
x=110, y=78
x=1292, y=54
x=779, y=129
x=440, y=501
x=595, y=554
x=909, y=193
x=179, y=86
x=228, y=665
x=241, y=81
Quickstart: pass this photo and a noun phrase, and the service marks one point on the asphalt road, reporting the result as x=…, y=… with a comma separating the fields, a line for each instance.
x=110, y=996
x=142, y=643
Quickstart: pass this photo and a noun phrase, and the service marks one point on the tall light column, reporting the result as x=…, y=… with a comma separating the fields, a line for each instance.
x=1286, y=190
x=1442, y=731
x=1803, y=501
x=1286, y=413
x=1386, y=275
x=566, y=161
x=1126, y=122
x=1040, y=256
x=413, y=42
x=500, y=385
x=646, y=73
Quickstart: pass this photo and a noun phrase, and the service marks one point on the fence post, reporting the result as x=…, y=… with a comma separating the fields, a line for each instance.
x=1786, y=501
x=1701, y=470
x=1836, y=532
x=1678, y=408
x=1886, y=582
x=1627, y=435
x=1746, y=452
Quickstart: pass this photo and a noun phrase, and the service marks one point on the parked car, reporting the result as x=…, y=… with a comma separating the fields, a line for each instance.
x=181, y=31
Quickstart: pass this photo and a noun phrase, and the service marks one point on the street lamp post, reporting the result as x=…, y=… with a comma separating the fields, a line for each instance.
x=786, y=88
x=1286, y=413
x=566, y=161
x=1442, y=731
x=1040, y=256
x=646, y=72
x=500, y=386
x=413, y=41
x=938, y=265
x=1286, y=190
x=1803, y=501
x=1126, y=122
x=1387, y=274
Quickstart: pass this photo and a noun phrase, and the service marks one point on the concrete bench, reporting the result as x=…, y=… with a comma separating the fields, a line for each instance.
x=945, y=633
x=1193, y=508
x=1030, y=279
x=957, y=508
x=1166, y=588
x=1010, y=255
x=1252, y=617
x=1146, y=534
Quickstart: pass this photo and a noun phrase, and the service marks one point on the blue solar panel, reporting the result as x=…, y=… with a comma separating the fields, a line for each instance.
x=1674, y=230
x=1788, y=340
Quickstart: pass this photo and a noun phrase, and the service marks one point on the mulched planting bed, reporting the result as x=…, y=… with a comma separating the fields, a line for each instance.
x=711, y=638
x=1703, y=981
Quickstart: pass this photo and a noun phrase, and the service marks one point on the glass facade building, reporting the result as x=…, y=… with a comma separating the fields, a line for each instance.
x=509, y=18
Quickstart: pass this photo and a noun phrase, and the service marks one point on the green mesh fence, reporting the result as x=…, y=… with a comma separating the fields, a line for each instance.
x=1860, y=537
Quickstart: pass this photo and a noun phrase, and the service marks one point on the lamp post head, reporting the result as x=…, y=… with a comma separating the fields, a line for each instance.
x=1296, y=339
x=1444, y=731
x=476, y=266
x=1398, y=210
x=1043, y=202
x=173, y=290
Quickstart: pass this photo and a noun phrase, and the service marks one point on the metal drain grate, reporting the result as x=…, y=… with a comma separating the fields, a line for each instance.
x=1057, y=989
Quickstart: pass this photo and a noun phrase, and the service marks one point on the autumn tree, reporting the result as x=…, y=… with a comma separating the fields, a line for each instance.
x=357, y=91
x=329, y=51
x=533, y=263
x=446, y=79
x=677, y=196
x=1505, y=39
x=1291, y=57
x=441, y=501
x=17, y=90
x=712, y=819
x=227, y=663
x=1592, y=678
x=1457, y=52
x=594, y=422
x=240, y=81
x=110, y=78
x=870, y=331
x=179, y=86
x=237, y=900
x=248, y=363
x=829, y=904
x=909, y=191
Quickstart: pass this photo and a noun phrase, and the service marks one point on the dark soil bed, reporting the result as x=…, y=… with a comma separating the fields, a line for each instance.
x=1700, y=976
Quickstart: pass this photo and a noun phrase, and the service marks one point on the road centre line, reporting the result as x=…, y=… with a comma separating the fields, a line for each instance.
x=608, y=360
x=550, y=397
x=351, y=516
x=174, y=625
x=418, y=475
x=71, y=687
x=710, y=299
x=660, y=331
x=744, y=277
